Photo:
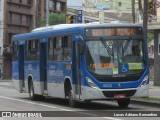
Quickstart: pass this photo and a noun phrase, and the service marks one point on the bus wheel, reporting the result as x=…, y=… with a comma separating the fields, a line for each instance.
x=71, y=100
x=31, y=91
x=123, y=103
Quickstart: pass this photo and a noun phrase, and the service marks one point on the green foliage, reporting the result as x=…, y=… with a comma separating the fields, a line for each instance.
x=54, y=18
x=41, y=23
x=150, y=37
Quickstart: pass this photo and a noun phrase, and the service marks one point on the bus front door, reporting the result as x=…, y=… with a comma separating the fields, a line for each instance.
x=21, y=68
x=43, y=67
x=77, y=71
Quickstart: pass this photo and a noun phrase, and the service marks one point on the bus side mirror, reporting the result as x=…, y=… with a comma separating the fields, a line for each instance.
x=82, y=48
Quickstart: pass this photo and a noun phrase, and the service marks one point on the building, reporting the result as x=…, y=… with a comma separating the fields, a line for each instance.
x=120, y=5
x=20, y=16
x=154, y=26
x=55, y=6
x=17, y=18
x=1, y=31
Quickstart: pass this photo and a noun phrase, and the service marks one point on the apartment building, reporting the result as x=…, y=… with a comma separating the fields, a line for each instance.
x=1, y=31
x=21, y=16
x=17, y=18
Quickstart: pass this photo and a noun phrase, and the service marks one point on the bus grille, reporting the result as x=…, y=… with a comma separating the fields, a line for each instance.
x=111, y=94
x=118, y=79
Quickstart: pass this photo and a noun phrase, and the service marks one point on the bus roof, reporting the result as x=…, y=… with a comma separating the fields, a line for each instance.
x=45, y=30
x=94, y=24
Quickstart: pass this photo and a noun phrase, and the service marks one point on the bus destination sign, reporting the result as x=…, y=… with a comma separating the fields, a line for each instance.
x=99, y=32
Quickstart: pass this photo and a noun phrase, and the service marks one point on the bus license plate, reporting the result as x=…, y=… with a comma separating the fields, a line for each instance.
x=119, y=96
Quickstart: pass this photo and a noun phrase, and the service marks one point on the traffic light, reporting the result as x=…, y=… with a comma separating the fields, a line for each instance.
x=70, y=19
x=150, y=6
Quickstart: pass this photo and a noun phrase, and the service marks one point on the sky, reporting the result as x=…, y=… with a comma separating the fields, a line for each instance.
x=74, y=3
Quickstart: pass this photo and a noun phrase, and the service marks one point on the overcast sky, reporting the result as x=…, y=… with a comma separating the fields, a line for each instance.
x=74, y=3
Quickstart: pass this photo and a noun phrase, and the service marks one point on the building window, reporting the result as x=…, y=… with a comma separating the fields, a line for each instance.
x=119, y=4
x=58, y=7
x=10, y=17
x=63, y=9
x=10, y=35
x=28, y=20
x=29, y=2
x=19, y=19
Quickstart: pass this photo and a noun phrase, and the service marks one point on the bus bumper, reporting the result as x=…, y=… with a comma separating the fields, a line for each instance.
x=89, y=93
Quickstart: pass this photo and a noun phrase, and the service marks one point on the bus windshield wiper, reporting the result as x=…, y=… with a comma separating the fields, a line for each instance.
x=125, y=46
x=107, y=47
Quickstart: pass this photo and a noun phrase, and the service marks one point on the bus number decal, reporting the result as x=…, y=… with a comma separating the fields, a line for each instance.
x=58, y=73
x=107, y=85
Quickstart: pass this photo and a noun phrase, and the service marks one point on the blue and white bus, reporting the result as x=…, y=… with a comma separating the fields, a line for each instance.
x=82, y=62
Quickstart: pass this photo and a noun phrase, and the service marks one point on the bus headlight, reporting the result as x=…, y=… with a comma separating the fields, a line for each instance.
x=145, y=81
x=91, y=83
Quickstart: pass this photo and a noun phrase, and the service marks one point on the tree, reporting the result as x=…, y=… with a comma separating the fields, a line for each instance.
x=54, y=18
x=150, y=37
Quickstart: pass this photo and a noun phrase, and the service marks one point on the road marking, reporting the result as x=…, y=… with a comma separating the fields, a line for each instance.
x=111, y=118
x=33, y=103
x=9, y=98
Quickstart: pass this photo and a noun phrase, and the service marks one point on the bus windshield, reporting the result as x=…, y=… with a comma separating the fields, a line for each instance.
x=109, y=57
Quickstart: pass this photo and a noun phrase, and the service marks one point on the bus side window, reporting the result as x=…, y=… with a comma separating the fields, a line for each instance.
x=32, y=50
x=15, y=51
x=58, y=51
x=67, y=48
x=51, y=47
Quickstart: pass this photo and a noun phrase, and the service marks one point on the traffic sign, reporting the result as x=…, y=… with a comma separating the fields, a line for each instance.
x=79, y=16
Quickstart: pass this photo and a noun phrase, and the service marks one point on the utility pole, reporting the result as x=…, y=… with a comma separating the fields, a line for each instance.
x=35, y=13
x=145, y=16
x=47, y=13
x=83, y=9
x=133, y=11
x=101, y=16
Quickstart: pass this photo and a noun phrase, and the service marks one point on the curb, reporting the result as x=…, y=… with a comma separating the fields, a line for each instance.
x=5, y=80
x=153, y=103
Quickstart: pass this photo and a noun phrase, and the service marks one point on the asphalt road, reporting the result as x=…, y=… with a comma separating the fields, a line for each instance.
x=12, y=100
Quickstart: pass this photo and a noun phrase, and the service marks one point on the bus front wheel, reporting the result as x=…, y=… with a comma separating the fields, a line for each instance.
x=71, y=100
x=123, y=103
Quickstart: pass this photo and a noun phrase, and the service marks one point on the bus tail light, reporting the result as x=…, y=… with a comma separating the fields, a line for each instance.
x=145, y=81
x=91, y=83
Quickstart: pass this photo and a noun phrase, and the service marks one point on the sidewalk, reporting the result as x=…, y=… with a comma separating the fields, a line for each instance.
x=154, y=91
x=153, y=99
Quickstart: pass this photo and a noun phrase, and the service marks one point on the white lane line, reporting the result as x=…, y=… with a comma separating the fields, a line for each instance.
x=33, y=103
x=111, y=118
x=9, y=98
